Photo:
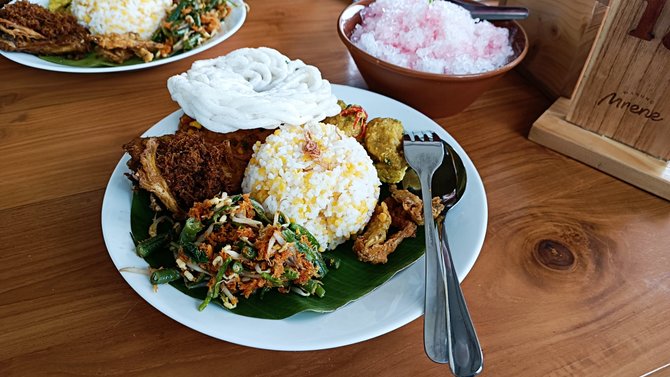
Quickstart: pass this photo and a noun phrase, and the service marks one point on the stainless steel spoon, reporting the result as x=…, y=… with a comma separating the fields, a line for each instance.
x=449, y=335
x=464, y=350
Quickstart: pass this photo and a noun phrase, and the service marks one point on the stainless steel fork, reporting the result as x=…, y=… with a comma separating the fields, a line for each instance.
x=424, y=152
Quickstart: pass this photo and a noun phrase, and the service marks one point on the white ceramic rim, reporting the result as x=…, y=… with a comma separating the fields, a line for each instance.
x=232, y=24
x=390, y=306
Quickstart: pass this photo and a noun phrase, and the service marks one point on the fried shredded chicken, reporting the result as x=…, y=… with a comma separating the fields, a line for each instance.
x=394, y=219
x=28, y=27
x=192, y=165
x=121, y=47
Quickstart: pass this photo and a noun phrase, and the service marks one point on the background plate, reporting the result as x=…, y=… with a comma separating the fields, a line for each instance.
x=231, y=25
x=393, y=304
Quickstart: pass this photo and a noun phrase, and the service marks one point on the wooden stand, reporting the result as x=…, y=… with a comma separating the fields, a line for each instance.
x=619, y=119
x=617, y=159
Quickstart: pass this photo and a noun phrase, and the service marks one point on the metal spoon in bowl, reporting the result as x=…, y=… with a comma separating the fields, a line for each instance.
x=492, y=13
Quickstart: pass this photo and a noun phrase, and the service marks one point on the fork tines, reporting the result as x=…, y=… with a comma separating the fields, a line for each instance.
x=421, y=136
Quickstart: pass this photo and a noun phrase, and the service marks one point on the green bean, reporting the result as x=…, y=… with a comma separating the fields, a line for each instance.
x=164, y=276
x=281, y=218
x=300, y=230
x=310, y=286
x=190, y=232
x=181, y=31
x=194, y=253
x=260, y=212
x=148, y=246
x=314, y=287
x=319, y=291
x=313, y=256
x=311, y=253
x=272, y=279
x=249, y=252
x=237, y=267
x=288, y=235
x=221, y=272
x=213, y=291
x=177, y=11
x=291, y=274
x=192, y=42
x=196, y=19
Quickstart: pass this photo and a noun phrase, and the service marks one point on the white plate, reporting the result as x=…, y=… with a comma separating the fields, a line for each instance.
x=232, y=24
x=394, y=304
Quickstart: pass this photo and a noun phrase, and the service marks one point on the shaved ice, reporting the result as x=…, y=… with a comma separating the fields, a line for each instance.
x=437, y=37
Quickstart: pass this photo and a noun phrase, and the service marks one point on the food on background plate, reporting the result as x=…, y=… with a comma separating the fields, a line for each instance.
x=431, y=36
x=252, y=88
x=31, y=28
x=317, y=176
x=118, y=30
x=101, y=17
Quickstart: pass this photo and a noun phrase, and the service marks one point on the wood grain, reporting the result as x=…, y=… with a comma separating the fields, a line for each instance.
x=561, y=34
x=572, y=279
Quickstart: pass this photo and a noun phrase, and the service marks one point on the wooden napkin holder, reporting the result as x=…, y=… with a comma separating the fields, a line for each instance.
x=618, y=119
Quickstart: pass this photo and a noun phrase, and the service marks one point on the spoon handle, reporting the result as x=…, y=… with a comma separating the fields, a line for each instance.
x=492, y=13
x=465, y=352
x=435, y=300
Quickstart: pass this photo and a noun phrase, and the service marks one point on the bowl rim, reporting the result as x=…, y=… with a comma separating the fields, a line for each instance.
x=420, y=74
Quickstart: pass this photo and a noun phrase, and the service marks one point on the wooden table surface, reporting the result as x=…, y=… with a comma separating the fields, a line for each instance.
x=573, y=278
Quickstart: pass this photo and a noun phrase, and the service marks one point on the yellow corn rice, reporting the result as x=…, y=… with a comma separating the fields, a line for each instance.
x=318, y=177
x=121, y=16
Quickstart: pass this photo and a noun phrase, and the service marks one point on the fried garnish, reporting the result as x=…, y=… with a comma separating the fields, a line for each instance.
x=121, y=47
x=383, y=141
x=31, y=28
x=393, y=220
x=391, y=224
x=437, y=207
x=117, y=56
x=311, y=148
x=411, y=203
x=375, y=231
x=379, y=253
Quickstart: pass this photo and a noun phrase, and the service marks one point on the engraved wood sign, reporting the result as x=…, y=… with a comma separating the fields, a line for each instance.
x=625, y=91
x=619, y=118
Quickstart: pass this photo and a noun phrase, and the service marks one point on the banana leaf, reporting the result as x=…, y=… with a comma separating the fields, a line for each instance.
x=351, y=281
x=91, y=60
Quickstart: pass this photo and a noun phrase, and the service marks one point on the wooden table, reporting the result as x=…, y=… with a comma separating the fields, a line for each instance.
x=573, y=278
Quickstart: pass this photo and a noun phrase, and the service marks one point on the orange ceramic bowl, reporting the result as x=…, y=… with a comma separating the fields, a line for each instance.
x=436, y=95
